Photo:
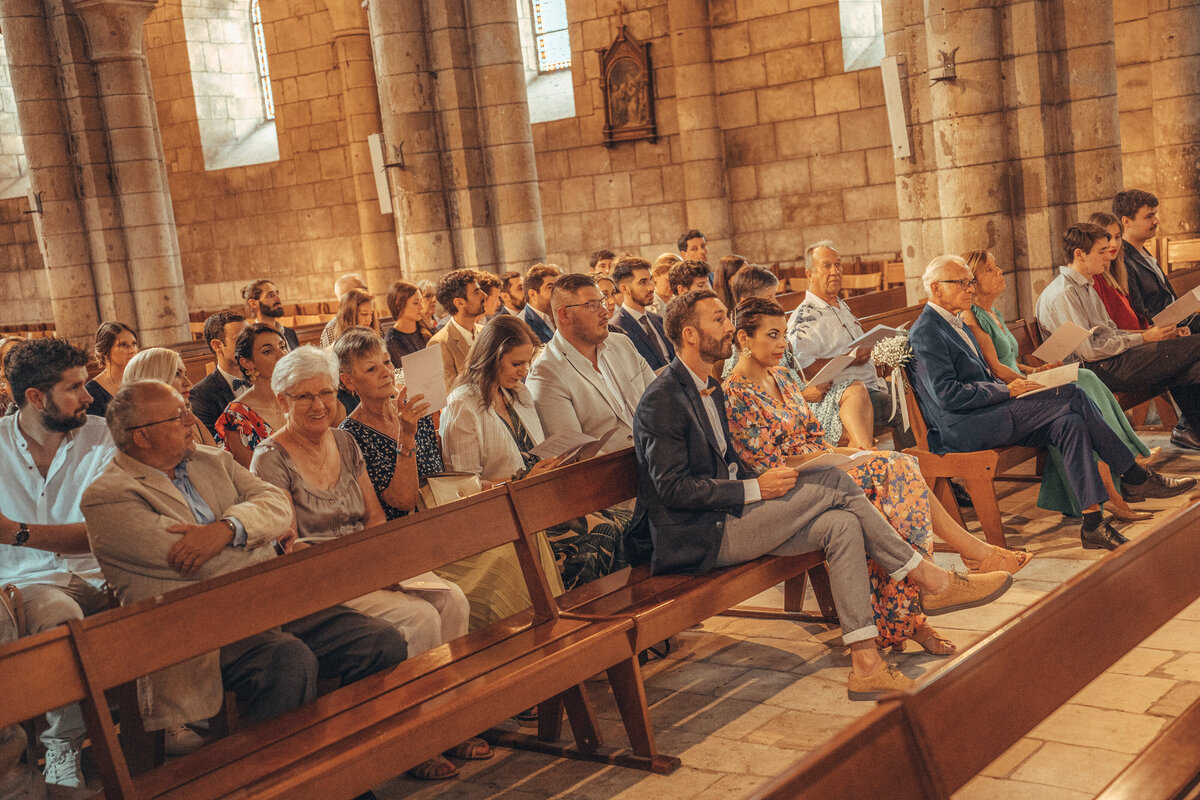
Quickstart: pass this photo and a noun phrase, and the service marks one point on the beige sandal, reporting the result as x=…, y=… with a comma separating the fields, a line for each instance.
x=999, y=560
x=435, y=769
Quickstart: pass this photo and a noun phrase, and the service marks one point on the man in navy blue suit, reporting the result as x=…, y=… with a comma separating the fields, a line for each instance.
x=643, y=327
x=704, y=509
x=968, y=408
x=539, y=283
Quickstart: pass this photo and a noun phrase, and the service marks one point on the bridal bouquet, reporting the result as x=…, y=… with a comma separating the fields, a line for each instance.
x=894, y=353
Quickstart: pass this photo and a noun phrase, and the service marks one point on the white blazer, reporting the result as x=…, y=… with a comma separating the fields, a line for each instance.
x=570, y=395
x=475, y=439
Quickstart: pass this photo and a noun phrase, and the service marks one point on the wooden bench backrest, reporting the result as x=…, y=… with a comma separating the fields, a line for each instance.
x=1056, y=647
x=873, y=303
x=39, y=673
x=894, y=317
x=1178, y=250
x=564, y=494
x=1183, y=281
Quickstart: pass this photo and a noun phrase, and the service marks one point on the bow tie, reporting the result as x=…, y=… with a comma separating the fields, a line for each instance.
x=712, y=387
x=956, y=322
x=238, y=383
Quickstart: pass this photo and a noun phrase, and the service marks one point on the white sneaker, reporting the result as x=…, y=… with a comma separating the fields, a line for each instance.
x=62, y=768
x=181, y=740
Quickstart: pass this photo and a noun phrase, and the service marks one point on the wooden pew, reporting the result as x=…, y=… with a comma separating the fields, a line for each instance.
x=935, y=738
x=357, y=736
x=1177, y=250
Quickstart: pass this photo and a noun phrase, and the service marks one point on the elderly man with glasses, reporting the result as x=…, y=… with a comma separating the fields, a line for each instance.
x=587, y=381
x=167, y=513
x=968, y=408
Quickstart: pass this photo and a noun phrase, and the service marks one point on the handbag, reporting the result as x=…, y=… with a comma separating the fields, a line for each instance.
x=441, y=488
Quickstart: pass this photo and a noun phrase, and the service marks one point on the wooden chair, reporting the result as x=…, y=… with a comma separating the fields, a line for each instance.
x=924, y=746
x=893, y=274
x=797, y=285
x=1174, y=251
x=862, y=282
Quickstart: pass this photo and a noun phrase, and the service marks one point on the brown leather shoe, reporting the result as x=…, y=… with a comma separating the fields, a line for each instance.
x=883, y=682
x=1155, y=486
x=966, y=591
x=1186, y=438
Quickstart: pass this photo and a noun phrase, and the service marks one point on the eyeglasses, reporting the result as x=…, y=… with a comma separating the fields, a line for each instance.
x=306, y=399
x=180, y=417
x=964, y=283
x=593, y=306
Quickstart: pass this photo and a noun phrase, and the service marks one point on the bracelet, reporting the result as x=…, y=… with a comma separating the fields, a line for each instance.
x=407, y=452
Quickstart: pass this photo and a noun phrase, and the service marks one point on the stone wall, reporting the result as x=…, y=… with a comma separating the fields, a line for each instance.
x=24, y=291
x=294, y=220
x=806, y=149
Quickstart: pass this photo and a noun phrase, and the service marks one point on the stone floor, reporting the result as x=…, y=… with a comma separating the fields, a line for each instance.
x=739, y=700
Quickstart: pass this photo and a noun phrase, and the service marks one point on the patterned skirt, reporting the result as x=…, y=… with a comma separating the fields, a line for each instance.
x=591, y=546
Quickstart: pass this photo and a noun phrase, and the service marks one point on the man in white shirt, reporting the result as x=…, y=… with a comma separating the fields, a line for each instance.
x=458, y=292
x=587, y=381
x=50, y=451
x=218, y=388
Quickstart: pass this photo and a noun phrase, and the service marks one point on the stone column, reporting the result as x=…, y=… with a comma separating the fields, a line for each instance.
x=360, y=119
x=60, y=227
x=145, y=217
x=707, y=203
x=1175, y=88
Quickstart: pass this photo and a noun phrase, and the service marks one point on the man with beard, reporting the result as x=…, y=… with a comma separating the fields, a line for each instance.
x=703, y=509
x=587, y=381
x=50, y=450
x=643, y=327
x=458, y=292
x=512, y=293
x=262, y=298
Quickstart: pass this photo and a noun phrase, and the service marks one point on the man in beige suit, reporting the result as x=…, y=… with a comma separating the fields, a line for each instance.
x=587, y=381
x=165, y=514
x=458, y=292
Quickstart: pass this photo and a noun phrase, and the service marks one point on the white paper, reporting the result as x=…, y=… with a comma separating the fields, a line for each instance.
x=1053, y=378
x=561, y=443
x=829, y=372
x=826, y=461
x=423, y=374
x=1178, y=311
x=873, y=337
x=1062, y=342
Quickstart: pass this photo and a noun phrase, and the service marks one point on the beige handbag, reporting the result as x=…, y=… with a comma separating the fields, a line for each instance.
x=441, y=488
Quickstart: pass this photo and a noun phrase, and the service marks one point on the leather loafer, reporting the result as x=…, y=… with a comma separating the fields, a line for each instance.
x=966, y=591
x=1156, y=486
x=1103, y=538
x=883, y=682
x=1186, y=438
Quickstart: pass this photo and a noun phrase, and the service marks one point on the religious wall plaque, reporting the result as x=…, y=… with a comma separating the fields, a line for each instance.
x=627, y=83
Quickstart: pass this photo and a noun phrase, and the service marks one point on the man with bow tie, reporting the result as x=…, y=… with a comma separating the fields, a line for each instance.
x=218, y=389
x=968, y=408
x=703, y=509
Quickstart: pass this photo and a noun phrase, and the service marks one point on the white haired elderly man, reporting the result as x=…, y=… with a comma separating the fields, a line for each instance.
x=968, y=408
x=166, y=513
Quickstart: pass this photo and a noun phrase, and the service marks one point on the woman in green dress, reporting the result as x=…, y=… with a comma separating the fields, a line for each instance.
x=999, y=349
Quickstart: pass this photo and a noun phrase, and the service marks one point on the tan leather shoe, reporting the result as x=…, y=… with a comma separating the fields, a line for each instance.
x=883, y=682
x=966, y=591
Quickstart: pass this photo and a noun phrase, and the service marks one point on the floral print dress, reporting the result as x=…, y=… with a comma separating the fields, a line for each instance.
x=765, y=433
x=239, y=419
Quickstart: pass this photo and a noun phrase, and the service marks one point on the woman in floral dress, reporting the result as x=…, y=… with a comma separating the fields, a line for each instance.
x=254, y=415
x=769, y=422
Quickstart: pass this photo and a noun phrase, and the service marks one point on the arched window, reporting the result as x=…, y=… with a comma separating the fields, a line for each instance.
x=550, y=32
x=546, y=53
x=862, y=33
x=14, y=171
x=260, y=56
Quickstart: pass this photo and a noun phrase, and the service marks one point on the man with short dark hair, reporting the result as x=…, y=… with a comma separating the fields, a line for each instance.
x=643, y=327
x=459, y=294
x=1149, y=290
x=693, y=246
x=218, y=388
x=687, y=276
x=512, y=293
x=601, y=262
x=166, y=514
x=1155, y=360
x=703, y=509
x=587, y=381
x=539, y=283
x=50, y=450
x=262, y=298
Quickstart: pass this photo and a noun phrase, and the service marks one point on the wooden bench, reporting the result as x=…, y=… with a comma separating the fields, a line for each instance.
x=935, y=738
x=357, y=736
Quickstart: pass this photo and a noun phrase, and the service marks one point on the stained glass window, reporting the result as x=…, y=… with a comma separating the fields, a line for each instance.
x=260, y=52
x=550, y=30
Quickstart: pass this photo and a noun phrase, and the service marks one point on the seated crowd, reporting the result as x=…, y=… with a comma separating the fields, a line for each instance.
x=146, y=482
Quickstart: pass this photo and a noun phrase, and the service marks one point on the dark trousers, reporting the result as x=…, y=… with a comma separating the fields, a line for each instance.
x=277, y=670
x=1157, y=367
x=1068, y=419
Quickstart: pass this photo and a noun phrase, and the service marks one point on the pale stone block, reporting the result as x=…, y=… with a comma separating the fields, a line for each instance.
x=736, y=110
x=1125, y=10
x=752, y=145
x=646, y=186
x=808, y=137
x=577, y=195
x=667, y=220
x=1133, y=88
x=788, y=101
x=783, y=178
x=698, y=113
x=1113, y=730
x=748, y=9
x=785, y=245
x=836, y=93
x=1176, y=701
x=740, y=73
x=851, y=237
x=612, y=191
x=1083, y=769
x=864, y=129
x=1142, y=661
x=635, y=227
x=1175, y=77
x=978, y=90
x=1097, y=175
x=795, y=64
x=825, y=25
x=731, y=42
x=757, y=215
x=1123, y=692
x=780, y=32
x=1175, y=30
x=838, y=171
x=870, y=202
x=883, y=236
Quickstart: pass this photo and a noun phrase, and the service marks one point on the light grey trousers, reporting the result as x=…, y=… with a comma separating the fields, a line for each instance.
x=825, y=510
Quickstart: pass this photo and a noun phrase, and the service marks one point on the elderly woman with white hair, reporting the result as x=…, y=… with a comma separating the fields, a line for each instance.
x=323, y=470
x=968, y=408
x=162, y=364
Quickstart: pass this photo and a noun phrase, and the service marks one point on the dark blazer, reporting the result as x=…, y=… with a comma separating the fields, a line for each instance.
x=289, y=336
x=539, y=326
x=209, y=398
x=966, y=406
x=1148, y=292
x=630, y=327
x=684, y=491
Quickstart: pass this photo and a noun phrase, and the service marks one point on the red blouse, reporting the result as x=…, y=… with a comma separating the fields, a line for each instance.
x=1117, y=306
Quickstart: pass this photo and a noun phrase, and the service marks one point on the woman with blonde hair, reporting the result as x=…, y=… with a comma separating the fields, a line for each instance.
x=1113, y=284
x=356, y=309
x=161, y=364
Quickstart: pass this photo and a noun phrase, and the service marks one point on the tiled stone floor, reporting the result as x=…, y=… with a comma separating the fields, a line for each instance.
x=739, y=700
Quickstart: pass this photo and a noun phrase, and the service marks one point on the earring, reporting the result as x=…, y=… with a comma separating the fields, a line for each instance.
x=745, y=352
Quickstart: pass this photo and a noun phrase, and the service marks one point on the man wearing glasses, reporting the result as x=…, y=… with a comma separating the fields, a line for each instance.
x=587, y=381
x=968, y=408
x=50, y=450
x=166, y=514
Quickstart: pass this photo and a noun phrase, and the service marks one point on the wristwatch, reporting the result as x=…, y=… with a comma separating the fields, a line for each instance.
x=22, y=535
